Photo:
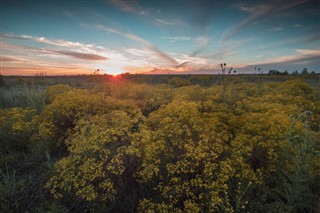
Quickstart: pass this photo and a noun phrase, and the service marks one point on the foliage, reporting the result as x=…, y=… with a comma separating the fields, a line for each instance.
x=99, y=165
x=23, y=96
x=16, y=128
x=109, y=144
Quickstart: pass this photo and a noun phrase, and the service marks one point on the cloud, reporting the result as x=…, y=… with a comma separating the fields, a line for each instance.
x=260, y=11
x=124, y=5
x=54, y=42
x=186, y=65
x=10, y=59
x=202, y=12
x=129, y=6
x=85, y=56
x=228, y=49
x=177, y=38
x=50, y=70
x=69, y=13
x=289, y=41
x=173, y=71
x=304, y=55
x=161, y=21
x=308, y=52
x=147, y=44
x=48, y=51
x=202, y=42
x=183, y=64
x=289, y=62
x=275, y=29
x=297, y=25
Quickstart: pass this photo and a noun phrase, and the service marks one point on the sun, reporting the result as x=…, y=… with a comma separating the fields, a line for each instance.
x=114, y=70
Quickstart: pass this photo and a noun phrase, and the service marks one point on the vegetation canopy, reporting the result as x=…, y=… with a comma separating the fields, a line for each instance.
x=140, y=143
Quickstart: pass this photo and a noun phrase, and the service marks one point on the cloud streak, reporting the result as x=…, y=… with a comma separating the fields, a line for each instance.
x=4, y=58
x=228, y=49
x=304, y=55
x=75, y=49
x=129, y=6
x=54, y=42
x=177, y=38
x=149, y=45
x=259, y=12
x=202, y=42
x=161, y=21
x=52, y=70
x=289, y=41
x=77, y=55
x=275, y=29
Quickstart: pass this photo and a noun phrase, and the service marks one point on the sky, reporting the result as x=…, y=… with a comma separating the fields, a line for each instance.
x=69, y=37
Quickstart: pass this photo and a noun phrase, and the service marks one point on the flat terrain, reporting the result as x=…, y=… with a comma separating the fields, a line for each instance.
x=160, y=143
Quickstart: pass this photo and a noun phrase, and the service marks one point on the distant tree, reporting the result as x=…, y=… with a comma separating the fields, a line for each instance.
x=295, y=72
x=1, y=80
x=274, y=72
x=304, y=71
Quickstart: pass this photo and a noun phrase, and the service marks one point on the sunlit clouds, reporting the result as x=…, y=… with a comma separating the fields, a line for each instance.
x=156, y=37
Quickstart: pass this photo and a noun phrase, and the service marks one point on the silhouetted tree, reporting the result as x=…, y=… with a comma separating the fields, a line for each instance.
x=304, y=71
x=295, y=72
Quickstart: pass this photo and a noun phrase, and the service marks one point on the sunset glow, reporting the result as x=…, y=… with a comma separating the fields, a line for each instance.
x=158, y=37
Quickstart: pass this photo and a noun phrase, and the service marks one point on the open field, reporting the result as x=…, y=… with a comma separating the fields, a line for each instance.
x=160, y=143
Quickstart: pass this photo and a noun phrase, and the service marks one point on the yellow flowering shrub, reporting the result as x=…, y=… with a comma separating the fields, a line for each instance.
x=16, y=128
x=66, y=109
x=184, y=160
x=98, y=163
x=57, y=89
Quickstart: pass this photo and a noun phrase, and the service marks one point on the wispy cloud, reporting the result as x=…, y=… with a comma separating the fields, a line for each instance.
x=202, y=40
x=129, y=6
x=4, y=58
x=177, y=38
x=289, y=41
x=62, y=58
x=77, y=55
x=147, y=44
x=301, y=57
x=308, y=52
x=69, y=13
x=123, y=5
x=161, y=21
x=201, y=43
x=51, y=70
x=275, y=29
x=260, y=11
x=228, y=49
x=35, y=51
x=54, y=42
x=202, y=13
x=183, y=64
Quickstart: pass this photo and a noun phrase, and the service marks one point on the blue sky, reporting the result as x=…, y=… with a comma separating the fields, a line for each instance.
x=117, y=36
